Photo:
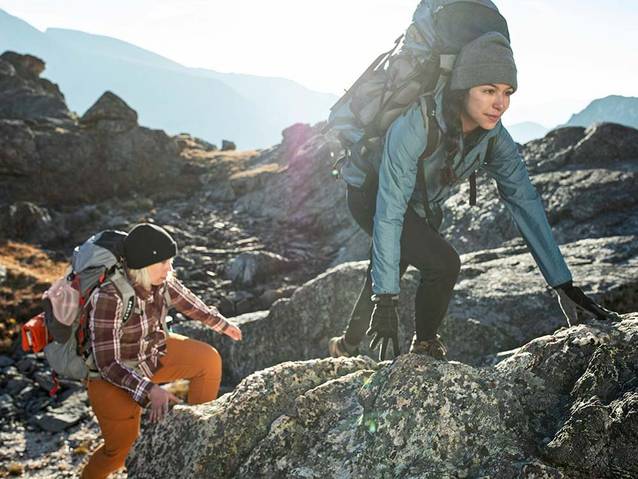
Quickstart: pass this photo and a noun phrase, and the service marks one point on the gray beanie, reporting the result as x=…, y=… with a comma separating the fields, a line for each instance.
x=487, y=59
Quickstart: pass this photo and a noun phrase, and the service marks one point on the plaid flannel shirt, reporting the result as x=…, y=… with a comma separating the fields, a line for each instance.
x=142, y=339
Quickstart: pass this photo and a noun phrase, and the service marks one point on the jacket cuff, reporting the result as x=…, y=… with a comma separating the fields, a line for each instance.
x=140, y=395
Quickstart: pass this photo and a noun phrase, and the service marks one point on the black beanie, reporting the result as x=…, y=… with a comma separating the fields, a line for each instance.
x=148, y=244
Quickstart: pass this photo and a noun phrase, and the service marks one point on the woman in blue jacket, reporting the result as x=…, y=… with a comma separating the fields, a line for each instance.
x=435, y=144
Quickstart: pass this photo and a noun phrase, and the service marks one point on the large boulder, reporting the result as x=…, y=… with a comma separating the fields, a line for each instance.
x=251, y=266
x=563, y=406
x=110, y=113
x=26, y=221
x=252, y=417
x=26, y=96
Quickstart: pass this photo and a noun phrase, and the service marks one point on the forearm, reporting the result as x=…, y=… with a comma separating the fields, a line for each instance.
x=187, y=303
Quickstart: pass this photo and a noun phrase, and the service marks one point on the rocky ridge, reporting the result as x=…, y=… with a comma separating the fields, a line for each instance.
x=563, y=406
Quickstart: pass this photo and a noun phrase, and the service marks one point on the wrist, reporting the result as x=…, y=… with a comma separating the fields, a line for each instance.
x=385, y=299
x=569, y=284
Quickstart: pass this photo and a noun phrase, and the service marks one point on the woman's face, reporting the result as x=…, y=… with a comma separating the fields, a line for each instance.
x=158, y=272
x=484, y=106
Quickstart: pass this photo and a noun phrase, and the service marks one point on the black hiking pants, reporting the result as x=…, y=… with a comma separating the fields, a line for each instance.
x=422, y=247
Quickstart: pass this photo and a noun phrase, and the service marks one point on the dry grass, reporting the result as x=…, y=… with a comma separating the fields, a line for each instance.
x=25, y=259
x=269, y=168
x=29, y=273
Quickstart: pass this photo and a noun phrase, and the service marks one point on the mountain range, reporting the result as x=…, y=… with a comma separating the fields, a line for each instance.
x=247, y=109
x=611, y=109
x=614, y=108
x=250, y=110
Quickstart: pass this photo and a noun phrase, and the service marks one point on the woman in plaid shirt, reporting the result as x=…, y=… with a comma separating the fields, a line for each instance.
x=133, y=358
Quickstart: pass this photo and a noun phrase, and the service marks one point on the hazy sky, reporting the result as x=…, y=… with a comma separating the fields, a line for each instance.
x=568, y=52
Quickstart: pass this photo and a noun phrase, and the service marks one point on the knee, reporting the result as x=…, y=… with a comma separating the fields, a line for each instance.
x=211, y=360
x=453, y=266
x=446, y=269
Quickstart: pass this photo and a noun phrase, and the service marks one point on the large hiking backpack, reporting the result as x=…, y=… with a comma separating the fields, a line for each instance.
x=398, y=77
x=62, y=330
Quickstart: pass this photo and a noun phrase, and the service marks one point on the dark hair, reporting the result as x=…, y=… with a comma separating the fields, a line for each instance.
x=453, y=105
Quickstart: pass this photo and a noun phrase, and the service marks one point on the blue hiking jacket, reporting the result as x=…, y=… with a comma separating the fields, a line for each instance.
x=397, y=167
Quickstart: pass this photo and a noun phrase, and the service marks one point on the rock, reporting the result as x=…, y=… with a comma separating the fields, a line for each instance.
x=44, y=380
x=252, y=266
x=67, y=414
x=252, y=422
x=110, y=112
x=35, y=404
x=595, y=366
x=5, y=361
x=26, y=96
x=27, y=394
x=25, y=65
x=185, y=140
x=254, y=179
x=27, y=365
x=269, y=296
x=16, y=385
x=304, y=193
x=228, y=145
x=26, y=221
x=7, y=408
x=293, y=138
x=418, y=417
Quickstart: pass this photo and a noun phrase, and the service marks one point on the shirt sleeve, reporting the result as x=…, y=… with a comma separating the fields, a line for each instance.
x=507, y=168
x=404, y=143
x=187, y=303
x=106, y=330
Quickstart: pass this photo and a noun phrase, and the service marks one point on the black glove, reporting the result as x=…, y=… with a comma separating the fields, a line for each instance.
x=572, y=300
x=384, y=324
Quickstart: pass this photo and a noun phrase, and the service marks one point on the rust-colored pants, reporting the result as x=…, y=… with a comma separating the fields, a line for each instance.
x=119, y=416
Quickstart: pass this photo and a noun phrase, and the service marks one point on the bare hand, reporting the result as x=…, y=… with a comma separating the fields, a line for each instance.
x=159, y=399
x=233, y=332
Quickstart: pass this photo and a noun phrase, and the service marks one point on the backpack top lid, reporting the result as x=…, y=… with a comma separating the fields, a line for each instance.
x=96, y=256
x=445, y=26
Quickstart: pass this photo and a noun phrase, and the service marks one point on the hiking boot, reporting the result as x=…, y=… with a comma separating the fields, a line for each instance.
x=338, y=348
x=432, y=347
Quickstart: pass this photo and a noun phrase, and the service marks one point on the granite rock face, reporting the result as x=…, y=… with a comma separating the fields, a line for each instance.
x=563, y=406
x=253, y=406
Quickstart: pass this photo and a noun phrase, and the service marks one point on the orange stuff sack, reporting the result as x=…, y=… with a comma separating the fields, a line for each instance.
x=35, y=335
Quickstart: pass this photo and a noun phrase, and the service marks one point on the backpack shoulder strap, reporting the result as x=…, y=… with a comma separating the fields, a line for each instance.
x=428, y=108
x=126, y=292
x=488, y=154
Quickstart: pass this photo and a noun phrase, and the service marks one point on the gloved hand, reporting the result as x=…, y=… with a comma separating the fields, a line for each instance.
x=572, y=300
x=384, y=324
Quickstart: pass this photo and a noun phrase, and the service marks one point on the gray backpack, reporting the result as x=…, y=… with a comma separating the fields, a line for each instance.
x=95, y=263
x=398, y=77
